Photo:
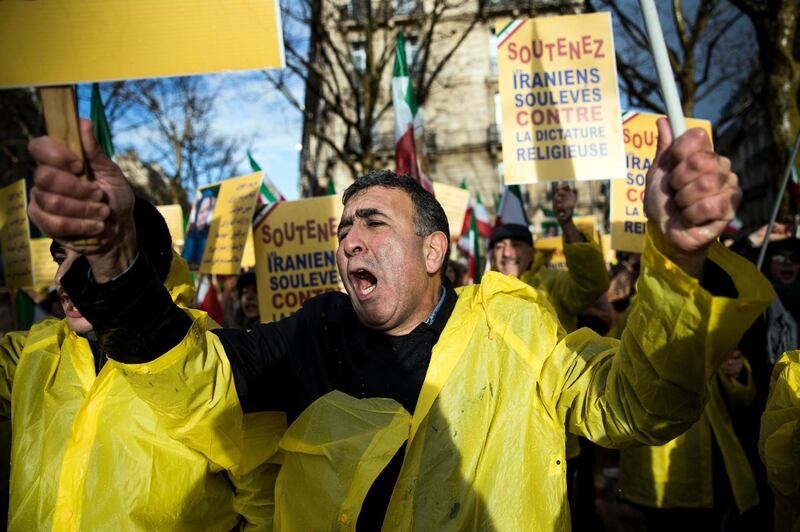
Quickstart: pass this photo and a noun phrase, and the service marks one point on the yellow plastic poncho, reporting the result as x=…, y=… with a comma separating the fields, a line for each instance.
x=779, y=443
x=574, y=290
x=485, y=447
x=679, y=473
x=88, y=454
x=571, y=291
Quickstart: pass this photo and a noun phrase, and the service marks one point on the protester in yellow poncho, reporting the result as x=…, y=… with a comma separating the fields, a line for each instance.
x=779, y=443
x=569, y=291
x=88, y=454
x=702, y=477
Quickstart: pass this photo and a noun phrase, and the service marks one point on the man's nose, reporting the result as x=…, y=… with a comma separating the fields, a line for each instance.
x=354, y=242
x=59, y=274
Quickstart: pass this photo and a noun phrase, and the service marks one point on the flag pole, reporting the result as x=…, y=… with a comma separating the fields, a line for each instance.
x=787, y=172
x=665, y=77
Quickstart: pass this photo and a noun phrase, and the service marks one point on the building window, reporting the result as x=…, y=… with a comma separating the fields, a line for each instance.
x=412, y=49
x=492, y=52
x=498, y=111
x=359, y=51
x=405, y=7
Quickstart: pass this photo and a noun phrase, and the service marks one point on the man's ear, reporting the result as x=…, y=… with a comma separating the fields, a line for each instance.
x=435, y=251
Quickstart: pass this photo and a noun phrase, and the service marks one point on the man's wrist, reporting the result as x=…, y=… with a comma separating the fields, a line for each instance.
x=113, y=263
x=691, y=263
x=570, y=231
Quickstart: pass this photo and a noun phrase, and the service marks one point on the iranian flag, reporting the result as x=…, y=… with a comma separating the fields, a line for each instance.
x=510, y=210
x=407, y=120
x=469, y=245
x=476, y=225
x=99, y=123
x=268, y=194
x=475, y=210
x=208, y=298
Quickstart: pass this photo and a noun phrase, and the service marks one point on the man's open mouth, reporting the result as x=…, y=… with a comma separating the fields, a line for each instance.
x=364, y=281
x=69, y=308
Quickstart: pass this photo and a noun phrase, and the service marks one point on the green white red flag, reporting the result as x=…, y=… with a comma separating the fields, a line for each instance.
x=474, y=264
x=482, y=223
x=409, y=158
x=476, y=225
x=268, y=194
x=208, y=299
x=469, y=246
x=99, y=123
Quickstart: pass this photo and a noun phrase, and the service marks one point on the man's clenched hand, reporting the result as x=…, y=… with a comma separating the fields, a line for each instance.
x=564, y=200
x=95, y=217
x=691, y=196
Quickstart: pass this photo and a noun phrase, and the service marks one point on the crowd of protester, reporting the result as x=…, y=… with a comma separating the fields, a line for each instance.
x=712, y=477
x=118, y=333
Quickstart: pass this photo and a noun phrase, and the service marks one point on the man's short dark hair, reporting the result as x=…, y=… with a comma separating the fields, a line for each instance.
x=429, y=215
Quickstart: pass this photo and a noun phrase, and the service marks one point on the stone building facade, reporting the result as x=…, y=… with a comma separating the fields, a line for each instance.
x=462, y=111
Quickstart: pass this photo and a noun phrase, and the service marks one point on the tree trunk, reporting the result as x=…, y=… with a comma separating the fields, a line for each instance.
x=776, y=24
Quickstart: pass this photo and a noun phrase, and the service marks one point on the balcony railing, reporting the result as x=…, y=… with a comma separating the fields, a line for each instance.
x=356, y=10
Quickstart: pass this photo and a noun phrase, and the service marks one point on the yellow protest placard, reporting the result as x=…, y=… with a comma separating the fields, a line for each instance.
x=15, y=236
x=628, y=221
x=233, y=215
x=173, y=215
x=80, y=41
x=559, y=99
x=249, y=254
x=44, y=267
x=609, y=255
x=454, y=201
x=295, y=246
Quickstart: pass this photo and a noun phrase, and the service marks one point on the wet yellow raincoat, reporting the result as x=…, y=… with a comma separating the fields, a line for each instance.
x=88, y=454
x=574, y=290
x=679, y=474
x=571, y=291
x=485, y=447
x=779, y=443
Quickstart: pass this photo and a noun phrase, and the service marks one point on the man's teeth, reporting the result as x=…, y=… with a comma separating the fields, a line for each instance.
x=368, y=289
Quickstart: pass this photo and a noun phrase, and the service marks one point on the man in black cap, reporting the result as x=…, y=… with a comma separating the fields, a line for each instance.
x=570, y=291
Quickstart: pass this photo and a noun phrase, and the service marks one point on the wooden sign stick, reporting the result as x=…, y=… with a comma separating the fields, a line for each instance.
x=61, y=120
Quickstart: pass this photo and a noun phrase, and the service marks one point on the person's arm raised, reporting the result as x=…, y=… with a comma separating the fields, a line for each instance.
x=132, y=314
x=93, y=217
x=564, y=199
x=653, y=384
x=691, y=196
